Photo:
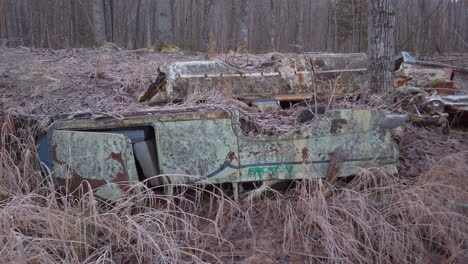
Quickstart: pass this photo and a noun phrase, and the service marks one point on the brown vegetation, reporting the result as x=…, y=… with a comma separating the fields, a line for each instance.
x=374, y=218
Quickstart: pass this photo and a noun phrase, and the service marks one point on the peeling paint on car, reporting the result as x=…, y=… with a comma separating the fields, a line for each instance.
x=211, y=147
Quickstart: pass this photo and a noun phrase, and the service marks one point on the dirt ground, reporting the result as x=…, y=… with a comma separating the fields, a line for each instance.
x=49, y=82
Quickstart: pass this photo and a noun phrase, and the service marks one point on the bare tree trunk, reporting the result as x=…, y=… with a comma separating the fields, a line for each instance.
x=165, y=32
x=206, y=26
x=381, y=46
x=300, y=24
x=273, y=25
x=99, y=22
x=146, y=13
x=244, y=22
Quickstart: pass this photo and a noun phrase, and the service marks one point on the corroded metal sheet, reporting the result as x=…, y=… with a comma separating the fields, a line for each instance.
x=302, y=76
x=356, y=134
x=218, y=151
x=104, y=160
x=407, y=58
x=198, y=148
x=437, y=79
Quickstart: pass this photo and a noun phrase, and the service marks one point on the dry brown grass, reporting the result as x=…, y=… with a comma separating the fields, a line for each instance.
x=375, y=218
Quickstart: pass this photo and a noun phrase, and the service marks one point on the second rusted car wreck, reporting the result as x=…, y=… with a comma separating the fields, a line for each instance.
x=279, y=77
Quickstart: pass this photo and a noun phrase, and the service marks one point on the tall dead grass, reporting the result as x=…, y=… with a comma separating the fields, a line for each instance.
x=376, y=218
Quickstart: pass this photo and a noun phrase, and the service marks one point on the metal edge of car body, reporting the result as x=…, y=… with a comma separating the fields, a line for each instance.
x=458, y=102
x=212, y=148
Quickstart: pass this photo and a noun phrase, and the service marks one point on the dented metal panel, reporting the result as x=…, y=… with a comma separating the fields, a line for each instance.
x=320, y=74
x=198, y=148
x=357, y=134
x=211, y=147
x=220, y=152
x=407, y=58
x=105, y=161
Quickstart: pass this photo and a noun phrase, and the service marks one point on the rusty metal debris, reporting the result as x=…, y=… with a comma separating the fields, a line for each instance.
x=429, y=91
x=109, y=153
x=455, y=102
x=410, y=74
x=292, y=77
x=411, y=60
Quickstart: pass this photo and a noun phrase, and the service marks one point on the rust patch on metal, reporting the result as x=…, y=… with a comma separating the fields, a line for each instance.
x=158, y=89
x=300, y=79
x=305, y=154
x=293, y=97
x=399, y=82
x=76, y=180
x=337, y=124
x=231, y=156
x=121, y=176
x=336, y=160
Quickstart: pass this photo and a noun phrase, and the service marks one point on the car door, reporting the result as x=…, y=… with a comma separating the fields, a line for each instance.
x=103, y=162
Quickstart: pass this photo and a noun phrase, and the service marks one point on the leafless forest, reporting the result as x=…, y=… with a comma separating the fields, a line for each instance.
x=424, y=26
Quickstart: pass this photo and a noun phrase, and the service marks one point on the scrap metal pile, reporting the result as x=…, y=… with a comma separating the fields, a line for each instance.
x=427, y=93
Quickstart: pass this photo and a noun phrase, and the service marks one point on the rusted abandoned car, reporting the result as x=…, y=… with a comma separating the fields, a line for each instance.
x=211, y=146
x=280, y=77
x=292, y=77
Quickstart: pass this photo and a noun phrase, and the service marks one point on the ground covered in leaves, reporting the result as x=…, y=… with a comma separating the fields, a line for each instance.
x=38, y=81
